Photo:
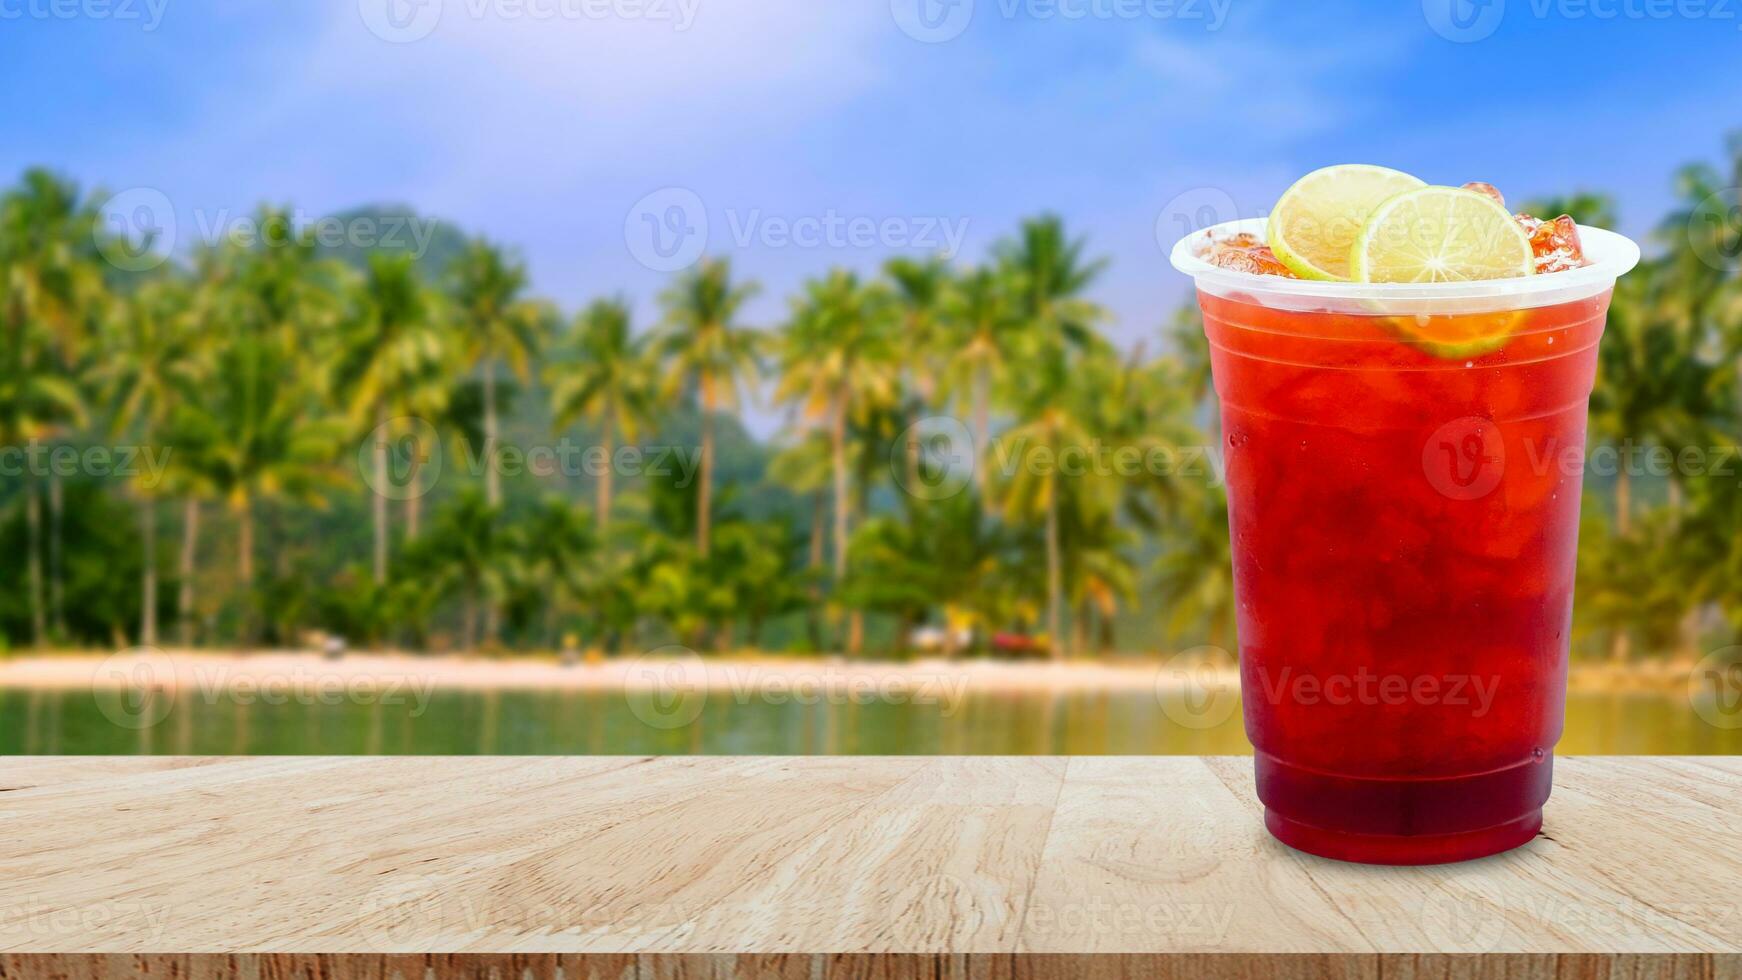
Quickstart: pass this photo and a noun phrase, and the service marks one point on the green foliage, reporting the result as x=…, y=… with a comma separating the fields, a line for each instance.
x=265, y=365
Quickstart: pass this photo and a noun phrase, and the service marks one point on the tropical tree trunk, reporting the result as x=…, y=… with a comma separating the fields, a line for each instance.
x=379, y=504
x=704, y=492
x=190, y=540
x=607, y=440
x=1054, y=574
x=912, y=448
x=469, y=621
x=33, y=542
x=148, y=578
x=56, y=539
x=413, y=515
x=1623, y=501
x=983, y=437
x=838, y=467
x=842, y=502
x=245, y=567
x=492, y=479
x=819, y=521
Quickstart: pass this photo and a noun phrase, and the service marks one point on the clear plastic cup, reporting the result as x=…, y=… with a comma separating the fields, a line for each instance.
x=1403, y=474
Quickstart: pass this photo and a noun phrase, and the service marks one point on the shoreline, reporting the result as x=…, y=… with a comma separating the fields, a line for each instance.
x=208, y=670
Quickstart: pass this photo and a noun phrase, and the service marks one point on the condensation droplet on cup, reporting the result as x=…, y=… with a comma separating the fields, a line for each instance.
x=1469, y=363
x=1537, y=754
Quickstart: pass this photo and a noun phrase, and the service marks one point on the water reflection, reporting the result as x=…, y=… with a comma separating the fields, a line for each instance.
x=37, y=722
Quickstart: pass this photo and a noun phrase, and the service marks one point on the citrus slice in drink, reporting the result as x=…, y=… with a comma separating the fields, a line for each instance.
x=1457, y=335
x=1317, y=220
x=1445, y=234
x=1440, y=234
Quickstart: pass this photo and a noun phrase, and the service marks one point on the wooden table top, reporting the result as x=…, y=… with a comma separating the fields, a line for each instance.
x=755, y=855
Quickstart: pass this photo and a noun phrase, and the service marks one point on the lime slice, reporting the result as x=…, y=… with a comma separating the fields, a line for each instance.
x=1459, y=336
x=1440, y=234
x=1318, y=219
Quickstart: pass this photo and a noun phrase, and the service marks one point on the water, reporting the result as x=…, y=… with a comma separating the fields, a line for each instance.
x=605, y=723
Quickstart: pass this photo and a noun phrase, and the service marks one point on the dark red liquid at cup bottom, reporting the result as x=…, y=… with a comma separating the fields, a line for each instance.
x=1404, y=519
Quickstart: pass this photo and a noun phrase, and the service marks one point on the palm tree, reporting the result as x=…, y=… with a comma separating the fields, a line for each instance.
x=1047, y=276
x=705, y=346
x=263, y=418
x=553, y=542
x=52, y=290
x=464, y=554
x=392, y=344
x=921, y=292
x=608, y=382
x=1197, y=572
x=152, y=364
x=807, y=468
x=498, y=323
x=1036, y=487
x=988, y=335
x=837, y=362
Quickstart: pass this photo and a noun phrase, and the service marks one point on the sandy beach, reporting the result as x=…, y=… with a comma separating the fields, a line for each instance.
x=172, y=669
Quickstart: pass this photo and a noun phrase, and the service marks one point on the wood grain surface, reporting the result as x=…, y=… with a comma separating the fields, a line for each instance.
x=838, y=866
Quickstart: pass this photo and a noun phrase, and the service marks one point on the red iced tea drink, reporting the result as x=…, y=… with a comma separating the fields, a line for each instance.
x=1403, y=475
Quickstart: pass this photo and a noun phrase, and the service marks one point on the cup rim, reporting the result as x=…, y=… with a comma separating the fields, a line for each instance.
x=1610, y=255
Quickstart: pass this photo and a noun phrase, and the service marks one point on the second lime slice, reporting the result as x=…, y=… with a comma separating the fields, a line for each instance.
x=1440, y=234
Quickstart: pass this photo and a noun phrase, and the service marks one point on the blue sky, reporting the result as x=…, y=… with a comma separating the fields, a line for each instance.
x=543, y=123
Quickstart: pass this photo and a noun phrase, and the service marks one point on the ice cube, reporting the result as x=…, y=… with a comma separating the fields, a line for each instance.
x=1485, y=188
x=1244, y=252
x=1555, y=243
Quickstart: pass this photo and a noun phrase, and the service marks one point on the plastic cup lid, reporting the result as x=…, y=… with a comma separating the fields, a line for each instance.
x=1609, y=256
